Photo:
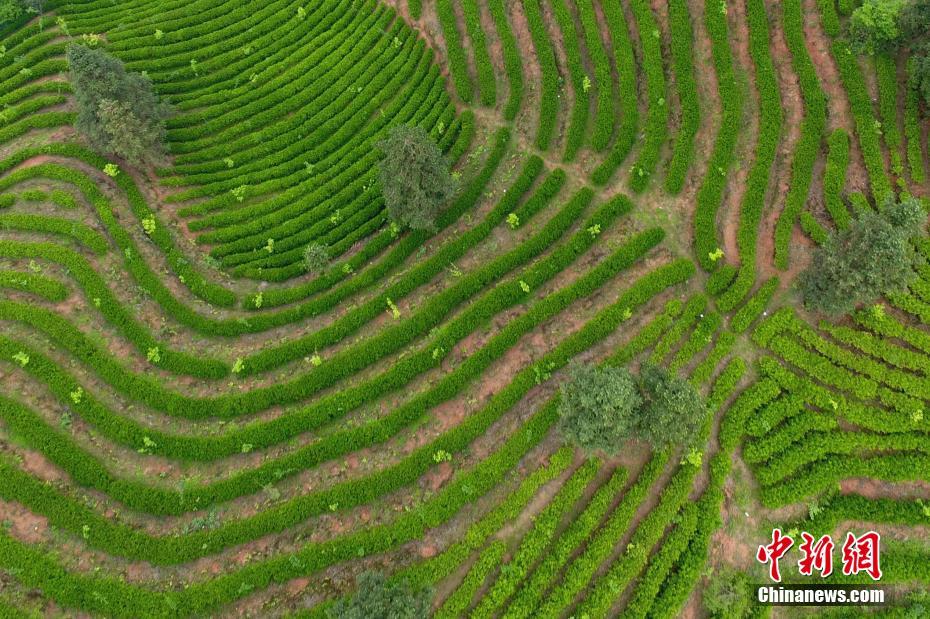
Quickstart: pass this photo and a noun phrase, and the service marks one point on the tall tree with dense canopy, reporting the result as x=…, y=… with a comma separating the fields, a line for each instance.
x=915, y=28
x=598, y=407
x=118, y=111
x=887, y=26
x=727, y=594
x=914, y=21
x=672, y=411
x=377, y=598
x=415, y=178
x=874, y=26
x=873, y=256
x=10, y=10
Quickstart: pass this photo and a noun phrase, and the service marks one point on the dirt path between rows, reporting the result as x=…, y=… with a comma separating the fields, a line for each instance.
x=839, y=115
x=780, y=177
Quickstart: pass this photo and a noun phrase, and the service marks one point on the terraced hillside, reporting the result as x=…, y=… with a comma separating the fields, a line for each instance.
x=191, y=424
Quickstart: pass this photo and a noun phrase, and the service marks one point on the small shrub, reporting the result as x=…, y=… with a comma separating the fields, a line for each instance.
x=316, y=257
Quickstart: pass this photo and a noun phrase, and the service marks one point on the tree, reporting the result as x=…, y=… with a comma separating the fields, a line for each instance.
x=873, y=27
x=914, y=21
x=598, y=407
x=415, y=178
x=10, y=10
x=920, y=72
x=873, y=256
x=672, y=411
x=727, y=594
x=118, y=112
x=316, y=257
x=376, y=598
x=917, y=605
x=915, y=30
x=886, y=26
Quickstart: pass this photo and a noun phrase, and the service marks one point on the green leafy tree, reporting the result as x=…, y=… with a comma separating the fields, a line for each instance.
x=920, y=76
x=914, y=23
x=672, y=411
x=874, y=26
x=377, y=598
x=316, y=257
x=10, y=10
x=727, y=594
x=118, y=111
x=873, y=256
x=415, y=178
x=917, y=605
x=921, y=73
x=598, y=407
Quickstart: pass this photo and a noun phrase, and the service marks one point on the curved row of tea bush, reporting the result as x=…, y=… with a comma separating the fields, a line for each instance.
x=710, y=193
x=812, y=129
x=627, y=90
x=656, y=127
x=682, y=46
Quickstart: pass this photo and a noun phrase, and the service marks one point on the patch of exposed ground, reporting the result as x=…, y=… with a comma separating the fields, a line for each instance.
x=780, y=176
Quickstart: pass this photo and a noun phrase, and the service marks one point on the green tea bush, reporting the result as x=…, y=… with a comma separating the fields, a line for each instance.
x=548, y=98
x=722, y=156
x=487, y=82
x=812, y=129
x=513, y=64
x=627, y=88
x=455, y=49
x=682, y=46
x=605, y=112
x=577, y=126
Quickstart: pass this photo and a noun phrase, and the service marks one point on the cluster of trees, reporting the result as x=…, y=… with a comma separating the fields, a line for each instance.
x=601, y=408
x=886, y=26
x=118, y=111
x=872, y=257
